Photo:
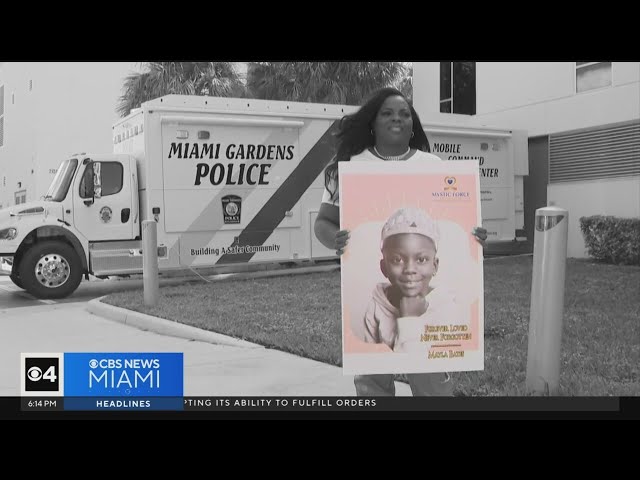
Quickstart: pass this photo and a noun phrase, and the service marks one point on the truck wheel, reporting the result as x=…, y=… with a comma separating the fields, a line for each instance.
x=50, y=270
x=16, y=280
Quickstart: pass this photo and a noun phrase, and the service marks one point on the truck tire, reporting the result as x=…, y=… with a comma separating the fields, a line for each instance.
x=16, y=280
x=50, y=269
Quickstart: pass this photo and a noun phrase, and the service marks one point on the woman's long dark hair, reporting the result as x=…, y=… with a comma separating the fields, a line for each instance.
x=354, y=133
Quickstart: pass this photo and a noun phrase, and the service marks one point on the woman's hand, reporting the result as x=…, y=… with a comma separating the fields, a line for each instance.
x=480, y=234
x=342, y=238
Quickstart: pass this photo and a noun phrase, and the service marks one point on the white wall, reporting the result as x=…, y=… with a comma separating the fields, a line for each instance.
x=585, y=110
x=16, y=156
x=536, y=96
x=70, y=109
x=426, y=88
x=625, y=72
x=619, y=197
x=505, y=85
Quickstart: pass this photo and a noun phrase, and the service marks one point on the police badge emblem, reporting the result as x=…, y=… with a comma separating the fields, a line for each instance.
x=231, y=205
x=105, y=214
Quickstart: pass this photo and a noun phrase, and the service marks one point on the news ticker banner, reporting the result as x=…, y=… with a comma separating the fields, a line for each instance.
x=102, y=381
x=611, y=405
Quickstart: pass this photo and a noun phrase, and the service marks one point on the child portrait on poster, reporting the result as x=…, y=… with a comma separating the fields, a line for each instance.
x=406, y=303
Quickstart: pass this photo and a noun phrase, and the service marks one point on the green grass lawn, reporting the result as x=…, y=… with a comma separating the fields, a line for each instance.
x=300, y=314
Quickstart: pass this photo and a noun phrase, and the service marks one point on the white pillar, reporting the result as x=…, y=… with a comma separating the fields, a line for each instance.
x=547, y=300
x=150, y=262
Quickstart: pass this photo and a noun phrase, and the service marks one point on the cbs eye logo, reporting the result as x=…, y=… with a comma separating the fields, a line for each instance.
x=41, y=375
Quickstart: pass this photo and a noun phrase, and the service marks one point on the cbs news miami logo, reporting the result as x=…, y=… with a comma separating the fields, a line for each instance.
x=102, y=374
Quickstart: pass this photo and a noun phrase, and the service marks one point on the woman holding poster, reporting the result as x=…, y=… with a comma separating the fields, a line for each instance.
x=387, y=128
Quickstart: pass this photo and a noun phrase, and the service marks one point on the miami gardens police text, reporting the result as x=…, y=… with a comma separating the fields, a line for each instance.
x=249, y=173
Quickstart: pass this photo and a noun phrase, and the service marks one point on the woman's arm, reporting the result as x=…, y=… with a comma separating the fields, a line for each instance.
x=327, y=228
x=327, y=224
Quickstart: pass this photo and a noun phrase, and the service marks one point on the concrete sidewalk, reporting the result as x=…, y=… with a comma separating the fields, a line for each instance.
x=229, y=366
x=214, y=365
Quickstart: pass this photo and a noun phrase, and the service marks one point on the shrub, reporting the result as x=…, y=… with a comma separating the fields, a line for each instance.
x=611, y=239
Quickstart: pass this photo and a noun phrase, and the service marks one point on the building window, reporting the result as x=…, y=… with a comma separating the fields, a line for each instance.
x=21, y=197
x=458, y=87
x=592, y=75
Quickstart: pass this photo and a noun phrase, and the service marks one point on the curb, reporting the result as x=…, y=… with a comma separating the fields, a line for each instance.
x=501, y=257
x=163, y=326
x=257, y=274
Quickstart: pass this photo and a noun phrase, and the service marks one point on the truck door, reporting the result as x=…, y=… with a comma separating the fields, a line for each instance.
x=107, y=214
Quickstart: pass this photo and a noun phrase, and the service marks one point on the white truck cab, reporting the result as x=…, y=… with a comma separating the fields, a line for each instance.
x=93, y=198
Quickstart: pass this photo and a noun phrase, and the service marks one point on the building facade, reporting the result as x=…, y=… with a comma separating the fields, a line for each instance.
x=48, y=111
x=583, y=124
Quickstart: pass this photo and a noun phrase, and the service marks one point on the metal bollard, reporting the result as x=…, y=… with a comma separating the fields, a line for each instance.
x=547, y=300
x=150, y=262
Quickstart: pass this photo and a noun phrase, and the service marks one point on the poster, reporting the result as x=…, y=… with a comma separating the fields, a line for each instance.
x=411, y=274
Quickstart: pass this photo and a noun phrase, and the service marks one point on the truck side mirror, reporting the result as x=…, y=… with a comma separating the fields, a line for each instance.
x=87, y=183
x=92, y=182
x=97, y=180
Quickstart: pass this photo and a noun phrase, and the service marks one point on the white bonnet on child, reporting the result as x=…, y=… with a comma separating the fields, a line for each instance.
x=411, y=220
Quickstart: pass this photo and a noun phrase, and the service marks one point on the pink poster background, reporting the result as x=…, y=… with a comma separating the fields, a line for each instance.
x=366, y=201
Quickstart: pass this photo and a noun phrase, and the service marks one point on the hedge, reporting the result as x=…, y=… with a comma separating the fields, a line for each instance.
x=612, y=239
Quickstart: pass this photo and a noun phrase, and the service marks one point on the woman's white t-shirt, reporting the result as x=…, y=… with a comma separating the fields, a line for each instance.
x=366, y=155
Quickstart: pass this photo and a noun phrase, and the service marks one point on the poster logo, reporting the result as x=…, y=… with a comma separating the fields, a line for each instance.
x=450, y=183
x=231, y=209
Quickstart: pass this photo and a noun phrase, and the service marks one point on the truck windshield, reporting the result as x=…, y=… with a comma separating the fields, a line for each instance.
x=60, y=185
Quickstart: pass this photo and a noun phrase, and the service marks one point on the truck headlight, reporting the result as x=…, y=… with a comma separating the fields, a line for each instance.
x=8, y=233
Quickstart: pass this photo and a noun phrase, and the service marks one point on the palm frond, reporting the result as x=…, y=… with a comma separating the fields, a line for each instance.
x=324, y=82
x=321, y=82
x=179, y=78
